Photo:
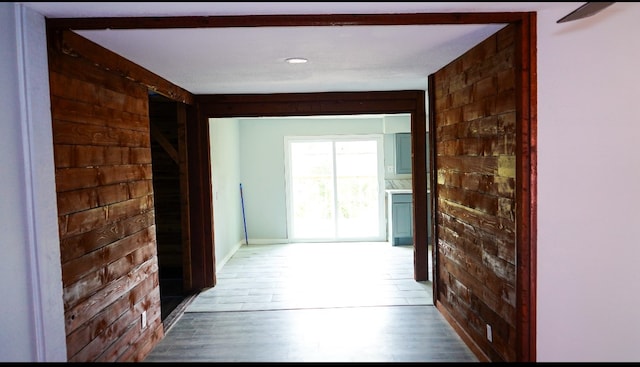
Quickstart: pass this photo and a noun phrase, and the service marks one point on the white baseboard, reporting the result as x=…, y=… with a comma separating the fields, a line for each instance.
x=220, y=264
x=271, y=241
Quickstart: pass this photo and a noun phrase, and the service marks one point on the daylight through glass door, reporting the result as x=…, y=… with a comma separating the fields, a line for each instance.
x=335, y=189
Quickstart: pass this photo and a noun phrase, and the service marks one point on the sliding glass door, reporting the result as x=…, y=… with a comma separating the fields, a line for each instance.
x=335, y=188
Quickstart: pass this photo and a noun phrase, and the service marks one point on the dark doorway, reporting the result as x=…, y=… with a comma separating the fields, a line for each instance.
x=165, y=143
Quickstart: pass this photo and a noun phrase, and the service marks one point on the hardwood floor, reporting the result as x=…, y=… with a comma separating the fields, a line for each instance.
x=310, y=302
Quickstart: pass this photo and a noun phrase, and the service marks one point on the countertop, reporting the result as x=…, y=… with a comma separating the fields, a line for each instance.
x=399, y=191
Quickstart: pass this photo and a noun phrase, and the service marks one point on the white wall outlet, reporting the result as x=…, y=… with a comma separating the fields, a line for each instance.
x=489, y=333
x=144, y=319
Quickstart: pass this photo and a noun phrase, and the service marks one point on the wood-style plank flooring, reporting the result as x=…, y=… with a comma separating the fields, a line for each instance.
x=314, y=302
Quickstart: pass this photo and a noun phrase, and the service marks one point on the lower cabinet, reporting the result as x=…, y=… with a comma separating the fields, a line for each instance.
x=401, y=229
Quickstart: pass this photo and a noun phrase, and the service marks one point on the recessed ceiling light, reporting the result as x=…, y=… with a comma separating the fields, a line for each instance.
x=296, y=60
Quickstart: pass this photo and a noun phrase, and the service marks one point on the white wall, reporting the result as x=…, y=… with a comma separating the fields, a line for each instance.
x=262, y=166
x=32, y=315
x=225, y=170
x=589, y=186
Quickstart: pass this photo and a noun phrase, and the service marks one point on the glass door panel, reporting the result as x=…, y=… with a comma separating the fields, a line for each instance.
x=334, y=189
x=357, y=188
x=312, y=190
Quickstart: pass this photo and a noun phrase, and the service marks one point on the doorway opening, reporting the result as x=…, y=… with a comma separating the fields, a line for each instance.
x=225, y=107
x=167, y=166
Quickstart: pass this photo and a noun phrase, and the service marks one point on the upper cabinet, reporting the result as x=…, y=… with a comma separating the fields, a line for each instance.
x=397, y=155
x=403, y=153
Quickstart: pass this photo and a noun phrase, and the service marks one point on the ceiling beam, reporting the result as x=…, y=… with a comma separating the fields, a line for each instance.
x=281, y=20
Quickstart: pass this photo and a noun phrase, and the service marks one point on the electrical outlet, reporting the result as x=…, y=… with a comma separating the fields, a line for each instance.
x=489, y=333
x=144, y=319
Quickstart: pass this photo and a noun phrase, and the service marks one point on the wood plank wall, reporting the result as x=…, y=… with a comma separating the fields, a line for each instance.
x=475, y=166
x=106, y=211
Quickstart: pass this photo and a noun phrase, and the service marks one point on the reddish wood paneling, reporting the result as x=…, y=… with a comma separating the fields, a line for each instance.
x=475, y=147
x=316, y=20
x=103, y=169
x=526, y=193
x=71, y=43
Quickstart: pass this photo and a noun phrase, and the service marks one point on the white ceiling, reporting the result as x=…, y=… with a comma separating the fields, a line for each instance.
x=251, y=60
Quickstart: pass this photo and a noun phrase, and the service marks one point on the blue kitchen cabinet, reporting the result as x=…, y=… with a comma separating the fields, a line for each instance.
x=402, y=219
x=403, y=153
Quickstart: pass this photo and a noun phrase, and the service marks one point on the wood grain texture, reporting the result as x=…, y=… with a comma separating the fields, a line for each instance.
x=475, y=168
x=106, y=213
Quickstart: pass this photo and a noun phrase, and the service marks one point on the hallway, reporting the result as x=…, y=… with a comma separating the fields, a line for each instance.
x=314, y=302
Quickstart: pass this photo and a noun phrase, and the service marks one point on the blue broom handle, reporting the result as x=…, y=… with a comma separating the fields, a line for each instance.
x=244, y=219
